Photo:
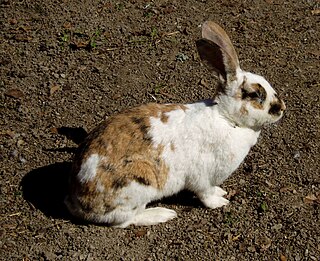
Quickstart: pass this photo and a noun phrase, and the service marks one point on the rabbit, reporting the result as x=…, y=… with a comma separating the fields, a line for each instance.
x=156, y=150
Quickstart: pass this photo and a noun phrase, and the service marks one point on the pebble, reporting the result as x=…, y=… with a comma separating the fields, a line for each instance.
x=242, y=182
x=181, y=57
x=20, y=142
x=14, y=153
x=297, y=257
x=277, y=226
x=48, y=255
x=296, y=155
x=251, y=249
x=22, y=160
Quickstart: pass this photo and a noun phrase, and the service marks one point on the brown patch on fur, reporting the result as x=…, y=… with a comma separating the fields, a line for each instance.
x=243, y=110
x=127, y=154
x=164, y=118
x=256, y=105
x=168, y=108
x=172, y=147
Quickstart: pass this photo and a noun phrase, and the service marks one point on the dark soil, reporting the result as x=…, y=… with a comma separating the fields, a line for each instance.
x=65, y=65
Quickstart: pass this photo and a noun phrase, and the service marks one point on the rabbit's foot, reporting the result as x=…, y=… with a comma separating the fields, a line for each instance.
x=213, y=198
x=219, y=191
x=150, y=216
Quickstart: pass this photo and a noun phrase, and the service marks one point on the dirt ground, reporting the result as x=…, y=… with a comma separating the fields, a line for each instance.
x=65, y=66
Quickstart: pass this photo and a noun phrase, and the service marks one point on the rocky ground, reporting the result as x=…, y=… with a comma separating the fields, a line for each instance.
x=64, y=65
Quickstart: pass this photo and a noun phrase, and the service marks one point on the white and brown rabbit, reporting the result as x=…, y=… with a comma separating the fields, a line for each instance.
x=156, y=150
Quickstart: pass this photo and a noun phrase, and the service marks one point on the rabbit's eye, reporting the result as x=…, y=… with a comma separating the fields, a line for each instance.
x=252, y=96
x=254, y=92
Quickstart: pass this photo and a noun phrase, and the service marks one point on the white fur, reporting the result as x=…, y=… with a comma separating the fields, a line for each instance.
x=88, y=169
x=150, y=216
x=207, y=147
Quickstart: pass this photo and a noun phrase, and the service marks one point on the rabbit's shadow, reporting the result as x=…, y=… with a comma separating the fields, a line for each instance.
x=46, y=188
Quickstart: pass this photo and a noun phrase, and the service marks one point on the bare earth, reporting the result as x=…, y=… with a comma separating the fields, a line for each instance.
x=64, y=66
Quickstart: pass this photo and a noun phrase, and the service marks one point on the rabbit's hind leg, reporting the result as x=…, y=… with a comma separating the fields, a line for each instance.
x=150, y=216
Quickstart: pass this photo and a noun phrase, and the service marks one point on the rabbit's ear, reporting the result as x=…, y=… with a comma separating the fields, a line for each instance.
x=217, y=51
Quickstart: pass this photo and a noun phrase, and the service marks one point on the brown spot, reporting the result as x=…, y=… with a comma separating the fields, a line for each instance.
x=256, y=105
x=118, y=183
x=168, y=108
x=142, y=180
x=243, y=110
x=108, y=168
x=164, y=118
x=172, y=147
x=137, y=120
x=127, y=154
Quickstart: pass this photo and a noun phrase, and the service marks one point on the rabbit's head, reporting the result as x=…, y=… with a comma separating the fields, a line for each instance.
x=244, y=98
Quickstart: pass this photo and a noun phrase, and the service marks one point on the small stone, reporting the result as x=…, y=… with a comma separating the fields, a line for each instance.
x=181, y=57
x=19, y=143
x=48, y=255
x=283, y=258
x=266, y=243
x=63, y=75
x=297, y=257
x=141, y=232
x=14, y=153
x=296, y=155
x=277, y=226
x=14, y=93
x=204, y=83
x=252, y=249
x=13, y=21
x=22, y=160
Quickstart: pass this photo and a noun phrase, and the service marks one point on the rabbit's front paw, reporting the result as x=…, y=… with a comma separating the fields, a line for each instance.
x=215, y=201
x=213, y=198
x=219, y=191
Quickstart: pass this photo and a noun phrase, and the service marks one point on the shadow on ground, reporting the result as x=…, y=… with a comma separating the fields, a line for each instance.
x=46, y=187
x=183, y=198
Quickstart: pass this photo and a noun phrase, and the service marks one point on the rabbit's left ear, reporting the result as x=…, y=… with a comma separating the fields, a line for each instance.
x=217, y=51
